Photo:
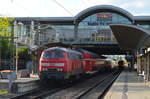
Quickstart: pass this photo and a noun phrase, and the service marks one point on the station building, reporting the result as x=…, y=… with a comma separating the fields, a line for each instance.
x=104, y=29
x=90, y=26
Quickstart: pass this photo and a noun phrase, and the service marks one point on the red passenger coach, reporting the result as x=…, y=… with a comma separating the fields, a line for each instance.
x=103, y=64
x=89, y=61
x=93, y=63
x=60, y=63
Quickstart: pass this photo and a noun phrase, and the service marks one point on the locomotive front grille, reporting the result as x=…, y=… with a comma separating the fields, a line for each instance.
x=52, y=64
x=52, y=70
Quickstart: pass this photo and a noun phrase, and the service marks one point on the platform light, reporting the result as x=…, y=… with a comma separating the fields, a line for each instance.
x=148, y=49
x=145, y=51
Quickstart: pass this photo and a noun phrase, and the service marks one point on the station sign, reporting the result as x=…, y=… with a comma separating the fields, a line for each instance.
x=104, y=16
x=96, y=23
x=101, y=19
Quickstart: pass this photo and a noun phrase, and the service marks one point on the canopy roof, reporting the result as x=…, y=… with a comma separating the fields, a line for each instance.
x=130, y=37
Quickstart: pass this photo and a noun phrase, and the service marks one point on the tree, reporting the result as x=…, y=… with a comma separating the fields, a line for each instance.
x=6, y=45
x=5, y=26
x=23, y=53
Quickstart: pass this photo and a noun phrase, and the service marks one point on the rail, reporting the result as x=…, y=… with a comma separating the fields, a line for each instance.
x=113, y=76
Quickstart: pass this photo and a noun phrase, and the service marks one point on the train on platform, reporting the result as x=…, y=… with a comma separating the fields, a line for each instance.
x=65, y=64
x=121, y=65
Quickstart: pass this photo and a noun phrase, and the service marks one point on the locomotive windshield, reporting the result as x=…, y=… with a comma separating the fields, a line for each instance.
x=53, y=54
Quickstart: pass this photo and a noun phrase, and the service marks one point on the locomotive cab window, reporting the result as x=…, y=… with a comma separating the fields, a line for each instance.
x=53, y=54
x=75, y=56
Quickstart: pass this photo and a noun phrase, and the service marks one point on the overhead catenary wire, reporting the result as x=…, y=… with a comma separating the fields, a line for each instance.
x=83, y=2
x=63, y=7
x=23, y=7
x=59, y=4
x=12, y=1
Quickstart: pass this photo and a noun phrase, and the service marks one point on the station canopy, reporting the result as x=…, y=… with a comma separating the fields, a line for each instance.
x=131, y=37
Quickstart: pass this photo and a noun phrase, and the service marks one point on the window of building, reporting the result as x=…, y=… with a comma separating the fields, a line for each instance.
x=96, y=26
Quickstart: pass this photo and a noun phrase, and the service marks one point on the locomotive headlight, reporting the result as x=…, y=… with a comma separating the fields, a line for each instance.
x=59, y=69
x=44, y=69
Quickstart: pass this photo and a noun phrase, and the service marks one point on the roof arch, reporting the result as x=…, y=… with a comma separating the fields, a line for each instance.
x=103, y=8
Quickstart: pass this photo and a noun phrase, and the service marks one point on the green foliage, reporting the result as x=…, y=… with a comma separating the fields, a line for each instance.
x=23, y=53
x=6, y=47
x=5, y=26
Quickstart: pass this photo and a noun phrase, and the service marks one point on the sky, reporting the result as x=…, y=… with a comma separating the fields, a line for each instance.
x=66, y=8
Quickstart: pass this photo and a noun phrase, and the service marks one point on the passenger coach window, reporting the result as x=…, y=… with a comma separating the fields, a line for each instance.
x=53, y=54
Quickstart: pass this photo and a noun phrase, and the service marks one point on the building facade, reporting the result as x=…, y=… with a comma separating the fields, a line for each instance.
x=91, y=24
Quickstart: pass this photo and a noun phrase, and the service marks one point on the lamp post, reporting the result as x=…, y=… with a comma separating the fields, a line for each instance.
x=0, y=50
x=16, y=57
x=17, y=33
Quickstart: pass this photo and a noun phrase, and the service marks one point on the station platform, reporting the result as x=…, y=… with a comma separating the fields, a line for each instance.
x=20, y=85
x=129, y=86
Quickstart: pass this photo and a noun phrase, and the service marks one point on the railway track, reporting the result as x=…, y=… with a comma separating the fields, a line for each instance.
x=98, y=90
x=42, y=92
x=39, y=93
x=81, y=94
x=86, y=89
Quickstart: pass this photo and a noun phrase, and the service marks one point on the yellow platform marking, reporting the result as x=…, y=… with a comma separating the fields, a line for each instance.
x=3, y=92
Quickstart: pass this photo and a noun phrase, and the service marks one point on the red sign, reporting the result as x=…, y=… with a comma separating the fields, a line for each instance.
x=104, y=16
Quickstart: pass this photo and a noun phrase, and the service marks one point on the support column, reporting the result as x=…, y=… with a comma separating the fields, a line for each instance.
x=148, y=67
x=149, y=64
x=76, y=32
x=138, y=64
x=145, y=67
x=20, y=26
x=32, y=33
x=39, y=35
x=12, y=42
x=32, y=42
x=15, y=30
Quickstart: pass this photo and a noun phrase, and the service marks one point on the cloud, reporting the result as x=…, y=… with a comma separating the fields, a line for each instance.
x=134, y=4
x=137, y=7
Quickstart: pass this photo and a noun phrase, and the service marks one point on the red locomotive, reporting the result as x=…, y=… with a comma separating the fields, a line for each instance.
x=63, y=64
x=60, y=63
